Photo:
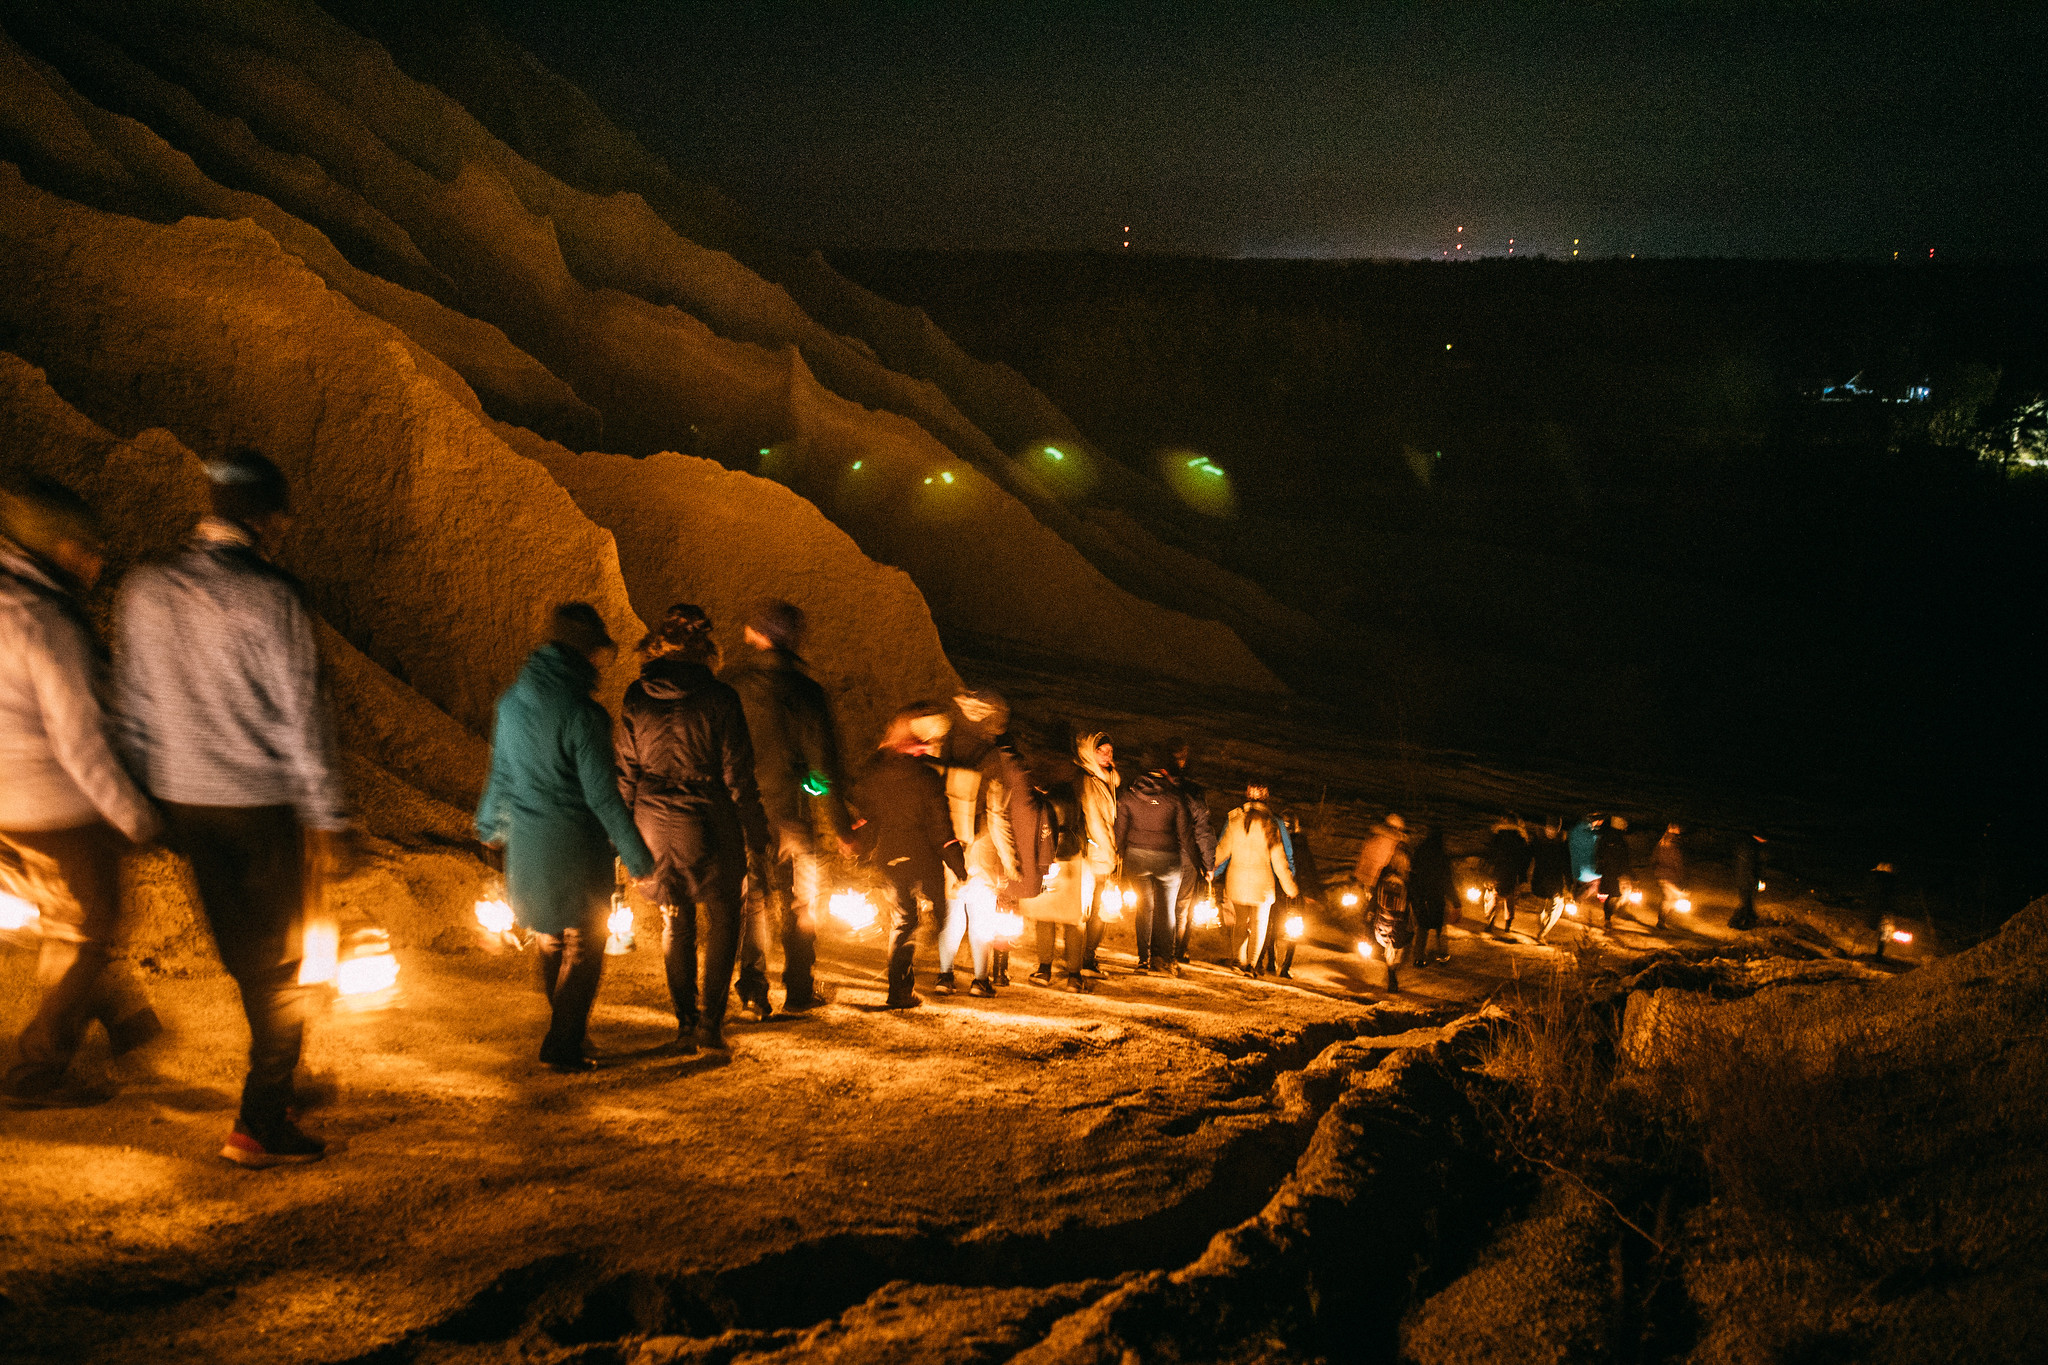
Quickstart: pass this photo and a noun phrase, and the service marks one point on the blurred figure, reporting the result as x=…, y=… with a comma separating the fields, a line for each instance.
x=1432, y=890
x=553, y=804
x=1550, y=876
x=1390, y=916
x=1195, y=879
x=1096, y=788
x=1383, y=842
x=1308, y=883
x=1614, y=865
x=1040, y=819
x=802, y=784
x=1582, y=841
x=65, y=798
x=1155, y=839
x=221, y=712
x=903, y=799
x=1880, y=905
x=975, y=755
x=1667, y=864
x=1251, y=860
x=686, y=771
x=1508, y=855
x=1749, y=879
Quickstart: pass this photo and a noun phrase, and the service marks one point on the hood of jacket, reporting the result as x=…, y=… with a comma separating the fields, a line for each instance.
x=1157, y=786
x=672, y=677
x=557, y=668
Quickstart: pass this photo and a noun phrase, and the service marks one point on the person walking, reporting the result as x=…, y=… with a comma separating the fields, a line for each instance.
x=1251, y=861
x=1432, y=890
x=1155, y=839
x=1550, y=876
x=802, y=784
x=1614, y=865
x=552, y=803
x=66, y=801
x=1580, y=843
x=686, y=772
x=1095, y=787
x=1507, y=853
x=904, y=802
x=975, y=755
x=997, y=855
x=1387, y=838
x=1038, y=818
x=1749, y=879
x=1667, y=864
x=218, y=679
x=1194, y=881
x=1392, y=917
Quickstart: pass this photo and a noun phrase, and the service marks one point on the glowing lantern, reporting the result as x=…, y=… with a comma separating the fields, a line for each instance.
x=1349, y=900
x=366, y=967
x=1682, y=906
x=1294, y=928
x=1009, y=926
x=1365, y=949
x=320, y=952
x=853, y=909
x=1472, y=895
x=1901, y=936
x=1635, y=898
x=1130, y=898
x=17, y=915
x=1112, y=904
x=1759, y=886
x=495, y=916
x=1207, y=916
x=620, y=925
x=1571, y=907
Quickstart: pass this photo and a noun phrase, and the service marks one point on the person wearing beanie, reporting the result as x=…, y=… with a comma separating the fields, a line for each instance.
x=552, y=804
x=686, y=771
x=903, y=800
x=67, y=806
x=222, y=716
x=803, y=785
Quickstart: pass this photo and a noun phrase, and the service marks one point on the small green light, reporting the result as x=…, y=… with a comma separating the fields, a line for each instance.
x=765, y=450
x=817, y=784
x=1212, y=469
x=1057, y=455
x=858, y=463
x=1447, y=345
x=947, y=476
x=927, y=480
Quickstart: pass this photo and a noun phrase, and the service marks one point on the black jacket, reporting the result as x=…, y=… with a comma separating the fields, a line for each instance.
x=1197, y=797
x=904, y=801
x=686, y=764
x=795, y=742
x=1508, y=853
x=1432, y=883
x=1551, y=868
x=1611, y=859
x=1151, y=814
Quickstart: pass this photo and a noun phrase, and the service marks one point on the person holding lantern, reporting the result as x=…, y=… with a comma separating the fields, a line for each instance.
x=903, y=801
x=552, y=803
x=686, y=771
x=1095, y=788
x=976, y=753
x=1155, y=839
x=1252, y=862
x=1194, y=878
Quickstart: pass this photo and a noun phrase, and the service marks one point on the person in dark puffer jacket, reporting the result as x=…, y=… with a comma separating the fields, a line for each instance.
x=1155, y=840
x=686, y=771
x=903, y=799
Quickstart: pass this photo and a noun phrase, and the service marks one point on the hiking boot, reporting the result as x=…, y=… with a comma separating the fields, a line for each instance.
x=711, y=1038
x=1079, y=984
x=1041, y=977
x=1090, y=969
x=568, y=1066
x=756, y=1011
x=907, y=1000
x=797, y=1004
x=981, y=988
x=139, y=1029
x=944, y=985
x=1144, y=967
x=281, y=1145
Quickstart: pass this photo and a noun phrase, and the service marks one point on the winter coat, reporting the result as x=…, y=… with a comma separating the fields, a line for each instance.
x=1508, y=854
x=1550, y=867
x=1096, y=787
x=686, y=771
x=903, y=799
x=60, y=766
x=1382, y=845
x=1749, y=867
x=1581, y=842
x=1250, y=858
x=1197, y=798
x=1302, y=859
x=1612, y=861
x=218, y=682
x=1432, y=883
x=992, y=853
x=1020, y=829
x=1668, y=860
x=1151, y=815
x=553, y=796
x=796, y=745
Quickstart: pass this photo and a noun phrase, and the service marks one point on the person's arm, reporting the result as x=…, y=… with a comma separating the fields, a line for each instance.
x=306, y=737
x=737, y=753
x=1283, y=865
x=823, y=766
x=626, y=754
x=1184, y=833
x=1286, y=844
x=590, y=749
x=134, y=697
x=1000, y=829
x=937, y=820
x=1120, y=828
x=60, y=667
x=1226, y=847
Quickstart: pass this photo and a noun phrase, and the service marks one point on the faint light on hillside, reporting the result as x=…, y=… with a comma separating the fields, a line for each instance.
x=1199, y=482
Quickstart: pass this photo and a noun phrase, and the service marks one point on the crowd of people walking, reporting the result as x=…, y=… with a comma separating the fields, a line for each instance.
x=722, y=792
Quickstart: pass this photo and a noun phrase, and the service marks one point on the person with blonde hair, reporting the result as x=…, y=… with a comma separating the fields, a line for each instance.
x=1251, y=862
x=1095, y=787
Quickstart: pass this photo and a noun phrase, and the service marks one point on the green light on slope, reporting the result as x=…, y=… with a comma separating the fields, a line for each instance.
x=858, y=463
x=947, y=476
x=1056, y=454
x=767, y=450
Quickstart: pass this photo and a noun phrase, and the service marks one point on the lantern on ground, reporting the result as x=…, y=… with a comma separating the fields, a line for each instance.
x=1206, y=915
x=1901, y=936
x=1009, y=926
x=1365, y=949
x=619, y=927
x=365, y=970
x=1635, y=898
x=1472, y=895
x=18, y=916
x=1349, y=900
x=853, y=910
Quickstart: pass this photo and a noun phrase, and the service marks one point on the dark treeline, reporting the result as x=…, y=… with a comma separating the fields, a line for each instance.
x=1600, y=505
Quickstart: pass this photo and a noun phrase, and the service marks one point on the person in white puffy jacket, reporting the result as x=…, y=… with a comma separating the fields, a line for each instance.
x=1251, y=862
x=68, y=809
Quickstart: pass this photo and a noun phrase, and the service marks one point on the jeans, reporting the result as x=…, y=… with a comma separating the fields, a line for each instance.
x=1155, y=876
x=1047, y=930
x=903, y=923
x=723, y=917
x=249, y=863
x=571, y=963
x=79, y=980
x=786, y=909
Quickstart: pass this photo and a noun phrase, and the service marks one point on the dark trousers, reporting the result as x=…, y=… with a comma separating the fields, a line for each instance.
x=775, y=911
x=249, y=863
x=74, y=968
x=903, y=923
x=724, y=917
x=571, y=964
x=1047, y=931
x=1155, y=876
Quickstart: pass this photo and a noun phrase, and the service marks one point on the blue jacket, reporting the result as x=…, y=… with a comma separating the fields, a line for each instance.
x=553, y=796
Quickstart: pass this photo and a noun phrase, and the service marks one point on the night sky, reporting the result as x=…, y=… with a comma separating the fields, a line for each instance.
x=1296, y=129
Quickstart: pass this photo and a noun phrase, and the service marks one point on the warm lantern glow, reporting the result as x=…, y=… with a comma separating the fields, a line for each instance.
x=1635, y=898
x=17, y=914
x=495, y=916
x=620, y=926
x=1901, y=936
x=1682, y=906
x=1009, y=926
x=366, y=975
x=853, y=909
x=1294, y=928
x=1364, y=949
x=1349, y=900
x=1207, y=916
x=320, y=954
x=1472, y=895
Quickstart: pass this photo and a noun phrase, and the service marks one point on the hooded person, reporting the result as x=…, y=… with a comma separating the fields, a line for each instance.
x=67, y=804
x=1550, y=869
x=1432, y=888
x=1096, y=787
x=224, y=719
x=1252, y=862
x=1195, y=877
x=552, y=803
x=803, y=787
x=1155, y=839
x=1383, y=842
x=686, y=771
x=976, y=756
x=1615, y=866
x=1508, y=856
x=903, y=800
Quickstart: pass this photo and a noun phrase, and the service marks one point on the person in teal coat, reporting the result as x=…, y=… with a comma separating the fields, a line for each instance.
x=552, y=803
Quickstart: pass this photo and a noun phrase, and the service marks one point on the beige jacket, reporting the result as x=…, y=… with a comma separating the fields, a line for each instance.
x=1258, y=861
x=1096, y=790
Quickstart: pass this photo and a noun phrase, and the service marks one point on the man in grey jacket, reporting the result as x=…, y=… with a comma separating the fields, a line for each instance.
x=222, y=713
x=68, y=809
